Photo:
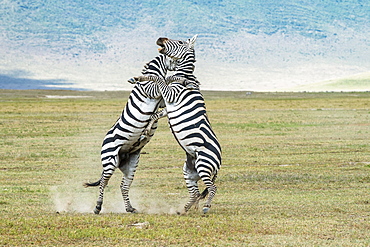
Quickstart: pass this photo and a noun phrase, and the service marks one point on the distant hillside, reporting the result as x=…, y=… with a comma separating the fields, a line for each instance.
x=97, y=44
x=359, y=82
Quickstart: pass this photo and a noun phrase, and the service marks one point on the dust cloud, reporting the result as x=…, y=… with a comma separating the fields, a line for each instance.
x=72, y=197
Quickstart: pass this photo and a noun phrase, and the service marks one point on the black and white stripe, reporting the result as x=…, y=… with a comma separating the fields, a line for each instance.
x=190, y=126
x=122, y=144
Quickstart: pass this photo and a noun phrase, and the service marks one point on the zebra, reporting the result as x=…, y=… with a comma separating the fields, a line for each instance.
x=122, y=144
x=187, y=117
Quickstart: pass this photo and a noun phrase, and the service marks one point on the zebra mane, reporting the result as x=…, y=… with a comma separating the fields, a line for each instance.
x=159, y=66
x=185, y=68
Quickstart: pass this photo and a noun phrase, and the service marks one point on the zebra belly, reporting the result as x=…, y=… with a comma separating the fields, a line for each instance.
x=189, y=134
x=125, y=135
x=191, y=128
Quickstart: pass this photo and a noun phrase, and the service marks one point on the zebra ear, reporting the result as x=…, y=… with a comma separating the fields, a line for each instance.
x=192, y=41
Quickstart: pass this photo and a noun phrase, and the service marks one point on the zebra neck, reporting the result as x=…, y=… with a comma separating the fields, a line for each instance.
x=171, y=63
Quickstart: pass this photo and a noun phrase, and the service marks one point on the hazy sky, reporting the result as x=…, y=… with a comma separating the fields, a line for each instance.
x=242, y=45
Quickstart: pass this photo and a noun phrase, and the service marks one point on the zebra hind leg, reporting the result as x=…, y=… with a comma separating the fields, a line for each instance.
x=128, y=168
x=191, y=178
x=103, y=183
x=109, y=167
x=205, y=191
x=211, y=189
x=203, y=195
x=99, y=203
x=194, y=195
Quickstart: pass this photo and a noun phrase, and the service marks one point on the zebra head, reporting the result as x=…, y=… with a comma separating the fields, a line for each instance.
x=176, y=49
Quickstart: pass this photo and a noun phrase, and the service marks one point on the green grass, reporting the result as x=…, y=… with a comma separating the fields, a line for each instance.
x=296, y=172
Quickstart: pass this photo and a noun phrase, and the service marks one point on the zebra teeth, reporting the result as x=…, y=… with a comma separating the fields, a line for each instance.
x=162, y=50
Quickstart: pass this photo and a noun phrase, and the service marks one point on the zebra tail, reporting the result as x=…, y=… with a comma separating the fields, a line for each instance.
x=94, y=184
x=204, y=193
x=97, y=183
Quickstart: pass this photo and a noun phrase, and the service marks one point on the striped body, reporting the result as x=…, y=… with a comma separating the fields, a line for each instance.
x=187, y=117
x=125, y=133
x=122, y=144
x=190, y=126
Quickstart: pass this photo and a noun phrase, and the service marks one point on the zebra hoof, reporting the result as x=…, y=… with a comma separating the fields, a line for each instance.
x=183, y=212
x=132, y=80
x=142, y=138
x=206, y=210
x=132, y=210
x=191, y=87
x=96, y=211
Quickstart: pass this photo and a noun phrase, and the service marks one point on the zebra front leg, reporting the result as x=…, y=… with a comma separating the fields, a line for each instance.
x=185, y=82
x=154, y=78
x=136, y=79
x=173, y=78
x=153, y=118
x=128, y=168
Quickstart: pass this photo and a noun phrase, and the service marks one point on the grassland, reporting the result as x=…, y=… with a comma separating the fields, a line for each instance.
x=296, y=172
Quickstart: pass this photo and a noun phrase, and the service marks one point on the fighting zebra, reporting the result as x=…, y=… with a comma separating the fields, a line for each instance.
x=122, y=144
x=186, y=112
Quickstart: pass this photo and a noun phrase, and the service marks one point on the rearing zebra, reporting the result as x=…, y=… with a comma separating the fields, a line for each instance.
x=122, y=144
x=189, y=124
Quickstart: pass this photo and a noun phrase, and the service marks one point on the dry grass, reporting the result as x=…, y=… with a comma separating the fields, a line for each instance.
x=295, y=173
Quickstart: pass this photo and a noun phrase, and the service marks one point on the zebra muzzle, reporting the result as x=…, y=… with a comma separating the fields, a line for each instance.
x=161, y=42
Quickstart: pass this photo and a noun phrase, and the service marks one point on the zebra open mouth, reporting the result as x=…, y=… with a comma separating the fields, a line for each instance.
x=161, y=42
